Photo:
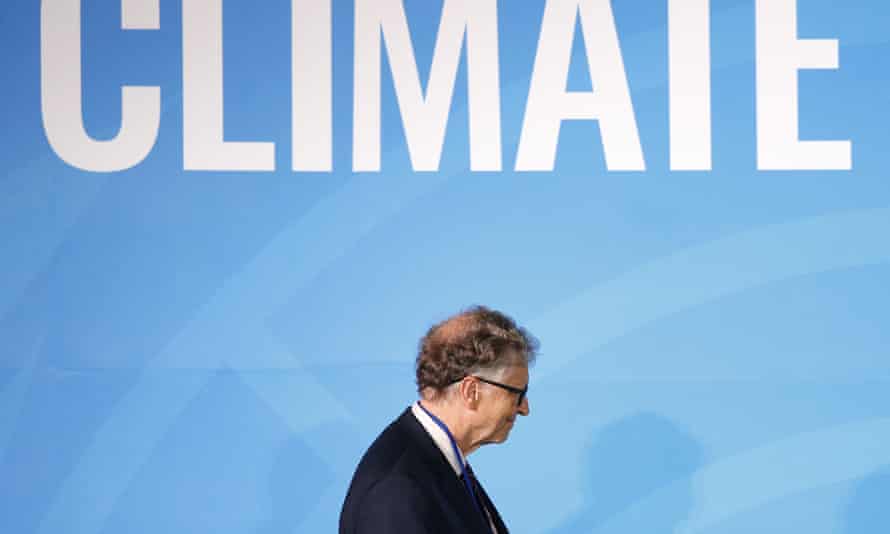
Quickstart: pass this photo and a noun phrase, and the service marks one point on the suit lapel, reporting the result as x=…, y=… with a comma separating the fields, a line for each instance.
x=445, y=479
x=495, y=516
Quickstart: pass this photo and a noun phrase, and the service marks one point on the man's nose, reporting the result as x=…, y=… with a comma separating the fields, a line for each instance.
x=523, y=408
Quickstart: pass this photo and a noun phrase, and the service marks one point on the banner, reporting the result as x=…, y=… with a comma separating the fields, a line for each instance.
x=226, y=225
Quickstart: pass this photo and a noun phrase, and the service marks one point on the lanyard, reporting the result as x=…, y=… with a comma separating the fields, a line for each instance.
x=463, y=469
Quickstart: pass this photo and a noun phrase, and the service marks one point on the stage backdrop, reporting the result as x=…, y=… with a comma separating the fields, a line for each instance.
x=225, y=225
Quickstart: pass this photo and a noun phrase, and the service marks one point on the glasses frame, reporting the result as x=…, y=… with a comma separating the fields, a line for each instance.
x=521, y=392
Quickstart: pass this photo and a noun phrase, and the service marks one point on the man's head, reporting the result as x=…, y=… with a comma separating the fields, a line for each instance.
x=476, y=363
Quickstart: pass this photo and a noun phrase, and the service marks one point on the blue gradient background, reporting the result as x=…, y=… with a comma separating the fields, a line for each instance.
x=212, y=352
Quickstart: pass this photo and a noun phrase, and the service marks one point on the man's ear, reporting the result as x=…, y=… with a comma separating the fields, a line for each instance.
x=471, y=396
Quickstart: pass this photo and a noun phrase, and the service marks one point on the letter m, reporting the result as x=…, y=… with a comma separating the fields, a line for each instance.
x=425, y=116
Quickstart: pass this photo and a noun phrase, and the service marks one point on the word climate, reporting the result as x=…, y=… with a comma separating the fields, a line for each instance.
x=382, y=25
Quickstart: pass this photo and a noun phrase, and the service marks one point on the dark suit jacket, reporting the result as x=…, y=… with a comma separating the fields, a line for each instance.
x=405, y=485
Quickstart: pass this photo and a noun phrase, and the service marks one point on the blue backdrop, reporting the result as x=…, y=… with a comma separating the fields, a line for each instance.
x=210, y=351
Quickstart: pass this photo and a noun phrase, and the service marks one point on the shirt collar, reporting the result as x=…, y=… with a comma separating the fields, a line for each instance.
x=440, y=438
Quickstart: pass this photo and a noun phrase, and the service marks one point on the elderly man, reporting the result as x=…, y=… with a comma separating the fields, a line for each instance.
x=472, y=377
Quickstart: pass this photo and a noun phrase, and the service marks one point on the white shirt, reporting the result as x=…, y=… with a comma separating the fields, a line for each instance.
x=444, y=443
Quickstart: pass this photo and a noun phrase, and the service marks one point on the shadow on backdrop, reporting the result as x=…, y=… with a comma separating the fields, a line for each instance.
x=627, y=462
x=868, y=511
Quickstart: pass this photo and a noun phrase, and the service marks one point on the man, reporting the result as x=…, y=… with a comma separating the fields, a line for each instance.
x=472, y=377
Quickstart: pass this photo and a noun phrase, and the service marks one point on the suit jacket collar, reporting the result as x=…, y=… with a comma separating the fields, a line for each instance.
x=450, y=485
x=440, y=437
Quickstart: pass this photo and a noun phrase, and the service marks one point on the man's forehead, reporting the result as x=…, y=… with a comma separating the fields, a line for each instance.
x=517, y=373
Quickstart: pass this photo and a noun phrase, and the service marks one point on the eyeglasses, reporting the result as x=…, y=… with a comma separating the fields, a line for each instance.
x=521, y=392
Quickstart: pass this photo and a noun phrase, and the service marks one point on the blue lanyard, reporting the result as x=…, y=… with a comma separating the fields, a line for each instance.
x=463, y=469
